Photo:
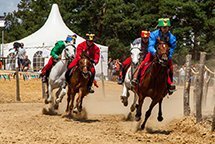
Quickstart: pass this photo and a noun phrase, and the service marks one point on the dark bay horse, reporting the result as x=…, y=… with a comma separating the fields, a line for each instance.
x=153, y=83
x=78, y=84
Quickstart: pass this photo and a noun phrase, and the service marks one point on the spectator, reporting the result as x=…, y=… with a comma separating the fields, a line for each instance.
x=26, y=64
x=181, y=75
x=110, y=68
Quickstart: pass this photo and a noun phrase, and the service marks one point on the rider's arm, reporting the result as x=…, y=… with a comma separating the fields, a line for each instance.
x=79, y=51
x=172, y=42
x=97, y=55
x=152, y=41
x=54, y=50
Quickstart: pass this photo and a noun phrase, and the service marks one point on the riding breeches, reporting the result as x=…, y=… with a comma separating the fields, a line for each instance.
x=127, y=63
x=147, y=59
x=48, y=66
x=170, y=72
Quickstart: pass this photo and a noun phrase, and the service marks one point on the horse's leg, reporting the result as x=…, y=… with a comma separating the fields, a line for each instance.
x=79, y=101
x=148, y=113
x=62, y=93
x=71, y=103
x=68, y=98
x=58, y=92
x=160, y=118
x=49, y=98
x=124, y=97
x=139, y=107
x=133, y=106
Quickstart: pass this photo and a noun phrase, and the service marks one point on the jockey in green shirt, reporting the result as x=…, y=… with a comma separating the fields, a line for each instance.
x=56, y=55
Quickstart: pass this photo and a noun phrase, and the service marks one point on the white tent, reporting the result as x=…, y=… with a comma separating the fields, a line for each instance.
x=53, y=30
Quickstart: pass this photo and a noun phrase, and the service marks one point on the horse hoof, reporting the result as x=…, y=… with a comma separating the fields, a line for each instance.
x=48, y=112
x=46, y=101
x=160, y=118
x=56, y=106
x=79, y=109
x=124, y=100
x=142, y=127
x=132, y=108
x=137, y=118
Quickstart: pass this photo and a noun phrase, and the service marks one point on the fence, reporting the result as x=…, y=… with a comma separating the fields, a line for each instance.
x=202, y=78
x=8, y=75
x=9, y=62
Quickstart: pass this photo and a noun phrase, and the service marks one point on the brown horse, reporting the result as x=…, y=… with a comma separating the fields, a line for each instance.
x=78, y=84
x=153, y=83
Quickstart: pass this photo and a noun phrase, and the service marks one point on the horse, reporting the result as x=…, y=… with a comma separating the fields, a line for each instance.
x=135, y=56
x=57, y=77
x=78, y=84
x=153, y=83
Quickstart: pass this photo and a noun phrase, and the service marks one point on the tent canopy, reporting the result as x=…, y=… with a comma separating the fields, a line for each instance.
x=45, y=38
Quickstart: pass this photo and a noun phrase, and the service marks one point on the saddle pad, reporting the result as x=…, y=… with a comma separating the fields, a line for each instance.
x=144, y=69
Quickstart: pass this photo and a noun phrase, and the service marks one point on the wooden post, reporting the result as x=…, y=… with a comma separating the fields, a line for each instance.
x=102, y=75
x=213, y=122
x=199, y=89
x=194, y=92
x=187, y=82
x=213, y=88
x=43, y=90
x=17, y=85
x=205, y=89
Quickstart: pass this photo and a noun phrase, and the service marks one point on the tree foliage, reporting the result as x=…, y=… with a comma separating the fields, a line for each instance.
x=118, y=22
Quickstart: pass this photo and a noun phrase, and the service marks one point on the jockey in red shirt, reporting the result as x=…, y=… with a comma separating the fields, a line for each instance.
x=55, y=55
x=165, y=35
x=143, y=40
x=94, y=53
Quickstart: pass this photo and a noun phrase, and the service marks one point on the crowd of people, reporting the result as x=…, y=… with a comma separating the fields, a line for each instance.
x=18, y=52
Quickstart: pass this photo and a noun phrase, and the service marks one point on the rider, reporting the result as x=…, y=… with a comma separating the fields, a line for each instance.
x=143, y=40
x=94, y=53
x=164, y=34
x=55, y=55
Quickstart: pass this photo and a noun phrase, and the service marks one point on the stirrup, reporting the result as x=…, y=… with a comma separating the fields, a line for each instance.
x=120, y=81
x=90, y=90
x=171, y=89
x=134, y=82
x=44, y=79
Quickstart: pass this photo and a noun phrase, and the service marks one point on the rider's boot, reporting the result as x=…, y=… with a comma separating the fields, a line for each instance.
x=121, y=77
x=134, y=81
x=171, y=86
x=67, y=75
x=89, y=85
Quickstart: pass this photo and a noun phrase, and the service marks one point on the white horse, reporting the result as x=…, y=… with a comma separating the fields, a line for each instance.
x=57, y=77
x=135, y=56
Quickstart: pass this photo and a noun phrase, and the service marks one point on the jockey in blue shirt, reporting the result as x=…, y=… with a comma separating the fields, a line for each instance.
x=165, y=35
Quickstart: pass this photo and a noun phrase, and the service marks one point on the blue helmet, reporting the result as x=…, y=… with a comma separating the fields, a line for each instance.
x=69, y=38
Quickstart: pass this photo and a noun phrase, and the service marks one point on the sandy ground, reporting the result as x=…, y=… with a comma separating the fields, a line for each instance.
x=23, y=122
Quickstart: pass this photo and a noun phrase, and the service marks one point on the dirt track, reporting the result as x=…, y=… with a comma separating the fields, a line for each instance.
x=24, y=123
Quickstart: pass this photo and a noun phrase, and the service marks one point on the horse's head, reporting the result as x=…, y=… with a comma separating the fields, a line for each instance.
x=162, y=53
x=135, y=51
x=85, y=64
x=68, y=52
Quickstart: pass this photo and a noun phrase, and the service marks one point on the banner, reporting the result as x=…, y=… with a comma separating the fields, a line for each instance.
x=2, y=23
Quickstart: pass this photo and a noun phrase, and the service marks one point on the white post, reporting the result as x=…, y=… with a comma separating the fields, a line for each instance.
x=2, y=45
x=102, y=75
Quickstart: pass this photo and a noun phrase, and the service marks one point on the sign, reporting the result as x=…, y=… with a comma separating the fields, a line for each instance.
x=2, y=23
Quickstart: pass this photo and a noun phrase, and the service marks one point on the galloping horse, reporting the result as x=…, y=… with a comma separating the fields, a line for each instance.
x=135, y=56
x=78, y=83
x=57, y=77
x=153, y=83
